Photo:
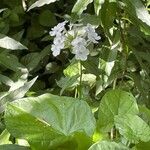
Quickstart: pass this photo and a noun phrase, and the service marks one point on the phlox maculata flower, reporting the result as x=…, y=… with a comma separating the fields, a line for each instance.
x=82, y=37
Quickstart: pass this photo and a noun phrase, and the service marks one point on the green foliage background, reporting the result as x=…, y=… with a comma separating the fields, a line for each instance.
x=121, y=60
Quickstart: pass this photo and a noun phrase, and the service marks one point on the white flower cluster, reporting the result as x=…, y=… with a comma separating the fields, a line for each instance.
x=79, y=43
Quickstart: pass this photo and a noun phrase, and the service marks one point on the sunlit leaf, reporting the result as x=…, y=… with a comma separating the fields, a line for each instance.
x=115, y=102
x=9, y=43
x=132, y=128
x=4, y=137
x=15, y=94
x=40, y=3
x=48, y=121
x=80, y=6
x=13, y=147
x=106, y=145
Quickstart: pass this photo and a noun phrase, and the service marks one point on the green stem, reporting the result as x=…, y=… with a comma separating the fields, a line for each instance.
x=112, y=134
x=80, y=83
x=114, y=84
x=123, y=40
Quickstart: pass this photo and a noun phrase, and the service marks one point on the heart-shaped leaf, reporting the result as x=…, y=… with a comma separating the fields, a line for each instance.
x=49, y=121
x=133, y=128
x=115, y=102
x=106, y=145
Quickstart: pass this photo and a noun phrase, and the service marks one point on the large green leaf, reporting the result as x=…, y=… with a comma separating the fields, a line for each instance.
x=115, y=102
x=145, y=114
x=9, y=43
x=40, y=3
x=106, y=145
x=133, y=128
x=143, y=146
x=13, y=147
x=138, y=14
x=80, y=6
x=49, y=121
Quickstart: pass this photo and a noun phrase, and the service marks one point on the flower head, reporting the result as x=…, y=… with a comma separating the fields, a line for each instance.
x=79, y=48
x=56, y=50
x=58, y=29
x=81, y=52
x=82, y=36
x=91, y=34
x=58, y=44
x=78, y=41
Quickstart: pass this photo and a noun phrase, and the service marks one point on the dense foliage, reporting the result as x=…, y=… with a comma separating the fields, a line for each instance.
x=92, y=95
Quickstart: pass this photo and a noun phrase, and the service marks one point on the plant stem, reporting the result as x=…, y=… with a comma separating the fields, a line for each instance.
x=112, y=134
x=114, y=84
x=123, y=40
x=80, y=83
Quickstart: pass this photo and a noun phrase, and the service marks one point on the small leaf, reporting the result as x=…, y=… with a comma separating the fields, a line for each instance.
x=3, y=9
x=115, y=102
x=80, y=6
x=6, y=80
x=15, y=94
x=97, y=5
x=40, y=3
x=132, y=128
x=72, y=70
x=7, y=59
x=67, y=82
x=9, y=43
x=47, y=18
x=4, y=137
x=105, y=145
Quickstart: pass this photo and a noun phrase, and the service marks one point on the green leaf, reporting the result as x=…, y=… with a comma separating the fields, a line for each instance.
x=15, y=94
x=145, y=114
x=9, y=43
x=6, y=60
x=6, y=80
x=47, y=18
x=67, y=82
x=40, y=3
x=48, y=121
x=72, y=69
x=106, y=145
x=115, y=102
x=143, y=146
x=80, y=6
x=91, y=19
x=132, y=128
x=13, y=147
x=97, y=5
x=108, y=14
x=4, y=137
x=3, y=9
x=139, y=14
x=33, y=59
